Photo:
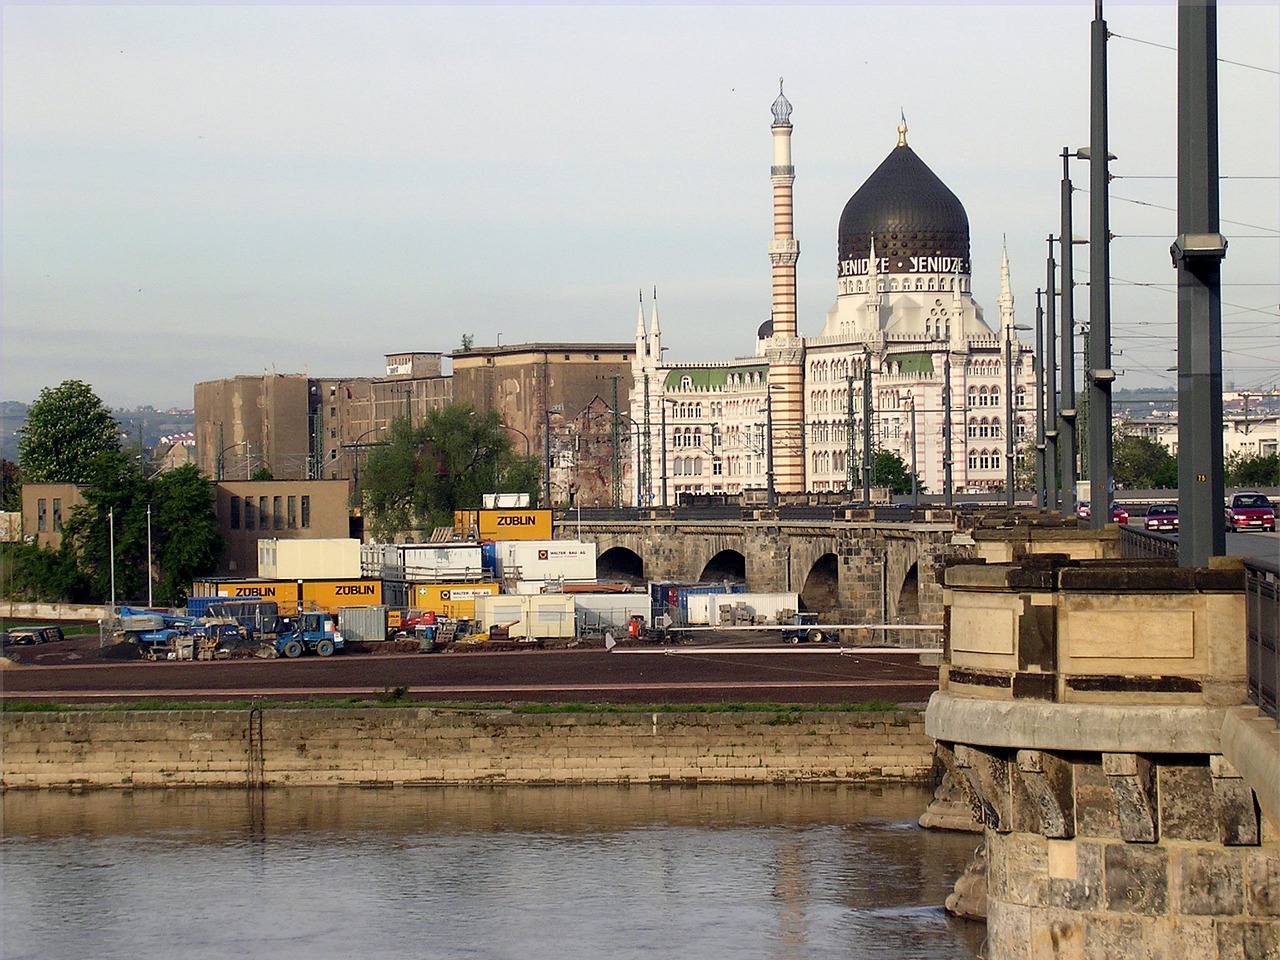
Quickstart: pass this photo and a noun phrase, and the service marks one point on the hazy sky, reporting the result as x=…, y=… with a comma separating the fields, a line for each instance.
x=193, y=192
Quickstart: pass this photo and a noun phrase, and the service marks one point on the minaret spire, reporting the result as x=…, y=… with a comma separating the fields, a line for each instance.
x=655, y=333
x=1005, y=299
x=784, y=250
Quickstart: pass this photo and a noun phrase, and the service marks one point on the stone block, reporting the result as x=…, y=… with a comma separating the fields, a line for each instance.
x=1186, y=803
x=1136, y=878
x=1262, y=883
x=1248, y=940
x=1132, y=781
x=1208, y=881
x=1113, y=938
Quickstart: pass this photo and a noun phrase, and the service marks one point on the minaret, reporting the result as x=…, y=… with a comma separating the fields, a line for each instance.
x=1005, y=300
x=784, y=249
x=784, y=348
x=642, y=341
x=655, y=334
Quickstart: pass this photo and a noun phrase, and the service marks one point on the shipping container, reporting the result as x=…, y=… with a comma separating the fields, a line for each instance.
x=454, y=600
x=504, y=501
x=672, y=599
x=502, y=524
x=431, y=562
x=547, y=560
x=598, y=612
x=321, y=559
x=758, y=608
x=546, y=617
x=366, y=624
x=295, y=596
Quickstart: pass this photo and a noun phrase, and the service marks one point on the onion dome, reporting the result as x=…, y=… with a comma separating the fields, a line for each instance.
x=781, y=109
x=919, y=225
x=765, y=330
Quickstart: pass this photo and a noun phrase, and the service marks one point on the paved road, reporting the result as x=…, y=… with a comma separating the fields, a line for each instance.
x=690, y=676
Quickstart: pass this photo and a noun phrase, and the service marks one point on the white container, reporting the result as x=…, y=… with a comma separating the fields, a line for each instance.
x=569, y=561
x=504, y=501
x=323, y=559
x=544, y=617
x=550, y=617
x=431, y=562
x=609, y=611
x=762, y=607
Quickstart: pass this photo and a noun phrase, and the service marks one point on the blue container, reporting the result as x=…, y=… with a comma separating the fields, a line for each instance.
x=199, y=606
x=488, y=556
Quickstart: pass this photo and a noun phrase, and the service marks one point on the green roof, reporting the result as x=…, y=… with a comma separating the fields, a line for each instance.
x=912, y=362
x=713, y=378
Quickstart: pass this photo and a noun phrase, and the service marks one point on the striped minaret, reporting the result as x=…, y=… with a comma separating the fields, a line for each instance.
x=784, y=348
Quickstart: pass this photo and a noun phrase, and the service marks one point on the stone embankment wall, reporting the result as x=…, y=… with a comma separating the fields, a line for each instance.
x=391, y=746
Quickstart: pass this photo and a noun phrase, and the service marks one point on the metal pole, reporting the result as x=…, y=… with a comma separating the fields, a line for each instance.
x=1038, y=362
x=150, y=569
x=663, y=427
x=866, y=427
x=850, y=434
x=1008, y=416
x=1051, y=435
x=946, y=430
x=617, y=454
x=546, y=439
x=915, y=488
x=111, y=538
x=1198, y=253
x=1067, y=439
x=1101, y=375
x=771, y=500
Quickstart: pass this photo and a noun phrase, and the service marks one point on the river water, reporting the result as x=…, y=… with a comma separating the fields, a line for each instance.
x=526, y=873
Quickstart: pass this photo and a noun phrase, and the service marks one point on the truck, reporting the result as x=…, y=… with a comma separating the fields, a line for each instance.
x=308, y=632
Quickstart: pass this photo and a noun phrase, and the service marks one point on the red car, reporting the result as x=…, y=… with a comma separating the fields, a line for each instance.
x=1250, y=511
x=1162, y=516
x=1118, y=513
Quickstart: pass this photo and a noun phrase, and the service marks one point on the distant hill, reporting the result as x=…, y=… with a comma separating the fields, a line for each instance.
x=150, y=422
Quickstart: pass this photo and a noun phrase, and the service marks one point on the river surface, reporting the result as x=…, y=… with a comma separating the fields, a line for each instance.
x=526, y=873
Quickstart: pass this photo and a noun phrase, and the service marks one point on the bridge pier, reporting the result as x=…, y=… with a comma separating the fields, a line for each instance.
x=1081, y=714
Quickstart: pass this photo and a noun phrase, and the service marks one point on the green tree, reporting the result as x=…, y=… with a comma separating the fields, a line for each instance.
x=33, y=574
x=68, y=428
x=10, y=485
x=1253, y=470
x=1141, y=463
x=889, y=470
x=186, y=543
x=421, y=475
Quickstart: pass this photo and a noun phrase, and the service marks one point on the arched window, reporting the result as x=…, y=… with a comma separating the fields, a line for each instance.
x=973, y=459
x=686, y=383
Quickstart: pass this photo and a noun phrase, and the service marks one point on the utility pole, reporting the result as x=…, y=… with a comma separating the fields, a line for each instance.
x=1101, y=376
x=1051, y=434
x=1067, y=438
x=866, y=426
x=1008, y=416
x=1039, y=374
x=1197, y=254
x=946, y=430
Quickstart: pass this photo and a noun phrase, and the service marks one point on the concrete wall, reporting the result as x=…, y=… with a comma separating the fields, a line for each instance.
x=426, y=746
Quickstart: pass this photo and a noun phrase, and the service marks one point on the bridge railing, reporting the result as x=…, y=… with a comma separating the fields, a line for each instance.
x=1262, y=618
x=1137, y=544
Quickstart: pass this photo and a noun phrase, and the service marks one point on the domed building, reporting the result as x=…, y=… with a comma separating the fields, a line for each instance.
x=905, y=332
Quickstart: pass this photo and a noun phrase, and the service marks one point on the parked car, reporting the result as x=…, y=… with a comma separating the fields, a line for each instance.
x=1250, y=511
x=1162, y=516
x=1118, y=513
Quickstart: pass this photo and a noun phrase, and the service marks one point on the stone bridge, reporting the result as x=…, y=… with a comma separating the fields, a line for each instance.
x=845, y=571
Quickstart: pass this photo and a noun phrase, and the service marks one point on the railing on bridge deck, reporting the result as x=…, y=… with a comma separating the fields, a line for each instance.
x=799, y=513
x=1262, y=616
x=1262, y=612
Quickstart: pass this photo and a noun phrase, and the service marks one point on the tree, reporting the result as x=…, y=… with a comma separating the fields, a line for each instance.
x=185, y=542
x=67, y=429
x=421, y=475
x=10, y=486
x=889, y=470
x=1253, y=470
x=1141, y=463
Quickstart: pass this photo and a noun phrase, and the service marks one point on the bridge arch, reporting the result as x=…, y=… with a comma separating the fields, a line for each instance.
x=726, y=565
x=620, y=563
x=821, y=590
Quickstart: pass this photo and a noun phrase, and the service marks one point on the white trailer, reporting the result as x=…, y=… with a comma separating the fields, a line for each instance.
x=564, y=561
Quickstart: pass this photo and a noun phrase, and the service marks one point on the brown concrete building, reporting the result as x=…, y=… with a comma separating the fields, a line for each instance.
x=301, y=427
x=45, y=508
x=279, y=510
x=551, y=395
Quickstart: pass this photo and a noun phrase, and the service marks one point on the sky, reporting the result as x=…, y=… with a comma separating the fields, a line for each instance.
x=193, y=192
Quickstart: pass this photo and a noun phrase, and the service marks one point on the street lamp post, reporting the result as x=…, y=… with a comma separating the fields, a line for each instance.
x=150, y=568
x=947, y=480
x=1050, y=387
x=111, y=552
x=1009, y=413
x=1067, y=436
x=663, y=427
x=1039, y=372
x=915, y=487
